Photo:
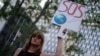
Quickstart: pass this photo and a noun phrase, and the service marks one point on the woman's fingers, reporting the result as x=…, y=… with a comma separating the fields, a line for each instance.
x=64, y=31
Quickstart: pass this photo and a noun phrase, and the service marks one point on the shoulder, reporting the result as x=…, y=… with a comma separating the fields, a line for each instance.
x=17, y=51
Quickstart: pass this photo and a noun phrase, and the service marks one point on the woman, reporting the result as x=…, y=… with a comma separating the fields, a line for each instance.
x=33, y=46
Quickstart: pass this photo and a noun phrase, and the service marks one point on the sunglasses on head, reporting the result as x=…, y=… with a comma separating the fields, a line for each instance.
x=36, y=36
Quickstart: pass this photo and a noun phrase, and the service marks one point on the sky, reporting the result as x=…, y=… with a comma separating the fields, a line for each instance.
x=42, y=3
x=2, y=22
x=1, y=4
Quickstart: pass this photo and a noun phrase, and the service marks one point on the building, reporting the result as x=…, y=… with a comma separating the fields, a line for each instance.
x=91, y=34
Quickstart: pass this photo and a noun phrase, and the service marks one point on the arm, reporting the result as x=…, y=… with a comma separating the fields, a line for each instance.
x=58, y=50
x=45, y=54
x=59, y=47
x=60, y=42
x=17, y=52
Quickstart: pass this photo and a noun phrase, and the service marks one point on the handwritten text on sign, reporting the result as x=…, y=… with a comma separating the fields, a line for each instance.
x=75, y=9
x=69, y=15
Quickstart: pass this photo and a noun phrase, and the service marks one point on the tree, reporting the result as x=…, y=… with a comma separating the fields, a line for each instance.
x=12, y=25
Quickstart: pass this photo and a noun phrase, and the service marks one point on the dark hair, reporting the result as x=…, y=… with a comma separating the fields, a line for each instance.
x=28, y=42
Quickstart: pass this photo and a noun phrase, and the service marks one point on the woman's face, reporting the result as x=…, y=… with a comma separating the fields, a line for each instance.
x=36, y=39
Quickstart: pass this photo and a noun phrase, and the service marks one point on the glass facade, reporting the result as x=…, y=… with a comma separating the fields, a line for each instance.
x=91, y=44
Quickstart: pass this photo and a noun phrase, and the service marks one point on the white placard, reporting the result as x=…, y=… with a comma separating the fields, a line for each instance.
x=69, y=15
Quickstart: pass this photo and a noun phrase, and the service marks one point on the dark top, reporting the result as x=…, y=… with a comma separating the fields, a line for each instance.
x=22, y=53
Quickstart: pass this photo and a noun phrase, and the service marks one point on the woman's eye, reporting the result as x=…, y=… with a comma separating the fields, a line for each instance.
x=39, y=37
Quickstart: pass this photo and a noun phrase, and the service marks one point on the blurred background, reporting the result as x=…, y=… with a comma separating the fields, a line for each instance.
x=19, y=18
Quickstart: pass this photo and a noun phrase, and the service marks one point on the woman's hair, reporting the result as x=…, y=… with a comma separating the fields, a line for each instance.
x=28, y=42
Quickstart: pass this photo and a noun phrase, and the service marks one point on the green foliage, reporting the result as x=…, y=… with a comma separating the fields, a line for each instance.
x=80, y=2
x=74, y=48
x=27, y=30
x=7, y=50
x=43, y=29
x=16, y=12
x=74, y=38
x=36, y=1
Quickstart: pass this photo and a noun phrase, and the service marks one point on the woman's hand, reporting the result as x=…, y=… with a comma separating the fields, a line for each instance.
x=64, y=31
x=61, y=33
